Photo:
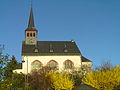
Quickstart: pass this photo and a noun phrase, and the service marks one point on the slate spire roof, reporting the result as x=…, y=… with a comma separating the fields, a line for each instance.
x=31, y=19
x=31, y=25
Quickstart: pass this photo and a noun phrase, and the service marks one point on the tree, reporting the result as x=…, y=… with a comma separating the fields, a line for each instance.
x=106, y=65
x=76, y=76
x=103, y=79
x=4, y=60
x=6, y=84
x=38, y=80
x=7, y=66
x=45, y=79
x=15, y=82
x=7, y=78
x=11, y=65
x=60, y=81
x=18, y=80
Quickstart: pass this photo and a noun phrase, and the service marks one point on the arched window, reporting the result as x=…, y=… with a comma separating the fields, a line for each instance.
x=52, y=65
x=68, y=64
x=33, y=34
x=36, y=65
x=27, y=34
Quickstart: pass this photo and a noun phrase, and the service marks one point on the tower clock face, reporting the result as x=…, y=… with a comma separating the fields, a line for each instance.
x=31, y=41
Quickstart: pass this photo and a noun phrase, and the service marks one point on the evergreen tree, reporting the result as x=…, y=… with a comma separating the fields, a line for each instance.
x=4, y=60
x=12, y=65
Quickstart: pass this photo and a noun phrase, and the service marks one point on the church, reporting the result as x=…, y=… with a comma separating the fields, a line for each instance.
x=56, y=55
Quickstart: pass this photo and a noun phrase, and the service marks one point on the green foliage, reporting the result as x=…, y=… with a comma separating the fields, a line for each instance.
x=60, y=81
x=8, y=79
x=4, y=60
x=5, y=85
x=76, y=76
x=103, y=79
x=11, y=65
x=14, y=82
x=18, y=80
x=45, y=79
x=7, y=66
x=38, y=79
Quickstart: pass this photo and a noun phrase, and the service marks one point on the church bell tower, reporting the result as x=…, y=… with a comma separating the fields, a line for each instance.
x=31, y=31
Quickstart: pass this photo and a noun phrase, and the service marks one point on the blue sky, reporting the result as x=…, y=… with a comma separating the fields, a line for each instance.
x=93, y=24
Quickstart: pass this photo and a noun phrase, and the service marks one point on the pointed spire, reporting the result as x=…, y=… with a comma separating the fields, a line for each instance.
x=31, y=19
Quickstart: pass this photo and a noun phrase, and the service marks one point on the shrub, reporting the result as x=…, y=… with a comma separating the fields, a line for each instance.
x=60, y=81
x=38, y=79
x=103, y=79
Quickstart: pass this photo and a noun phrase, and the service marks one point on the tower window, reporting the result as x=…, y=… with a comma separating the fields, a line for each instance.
x=31, y=34
x=27, y=34
x=34, y=34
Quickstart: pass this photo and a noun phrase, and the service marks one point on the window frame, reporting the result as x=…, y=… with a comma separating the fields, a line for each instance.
x=70, y=66
x=54, y=67
x=34, y=35
x=31, y=35
x=28, y=34
x=39, y=64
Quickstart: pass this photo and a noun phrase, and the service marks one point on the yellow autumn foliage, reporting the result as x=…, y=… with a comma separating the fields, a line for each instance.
x=103, y=80
x=60, y=81
x=5, y=85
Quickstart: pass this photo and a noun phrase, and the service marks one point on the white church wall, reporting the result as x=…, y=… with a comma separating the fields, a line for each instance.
x=26, y=66
x=87, y=63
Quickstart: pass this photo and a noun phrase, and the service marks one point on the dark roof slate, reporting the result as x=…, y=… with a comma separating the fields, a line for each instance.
x=31, y=25
x=51, y=48
x=31, y=19
x=85, y=59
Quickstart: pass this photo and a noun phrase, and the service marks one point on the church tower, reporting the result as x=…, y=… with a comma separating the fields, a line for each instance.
x=31, y=31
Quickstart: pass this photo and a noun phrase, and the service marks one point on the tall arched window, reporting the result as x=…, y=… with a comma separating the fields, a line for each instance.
x=52, y=65
x=33, y=34
x=27, y=34
x=68, y=64
x=36, y=64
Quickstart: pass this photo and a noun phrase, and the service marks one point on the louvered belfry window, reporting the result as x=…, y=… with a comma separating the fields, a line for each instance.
x=31, y=34
x=34, y=34
x=27, y=34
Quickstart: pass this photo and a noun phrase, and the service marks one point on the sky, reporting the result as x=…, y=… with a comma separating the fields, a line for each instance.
x=93, y=24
